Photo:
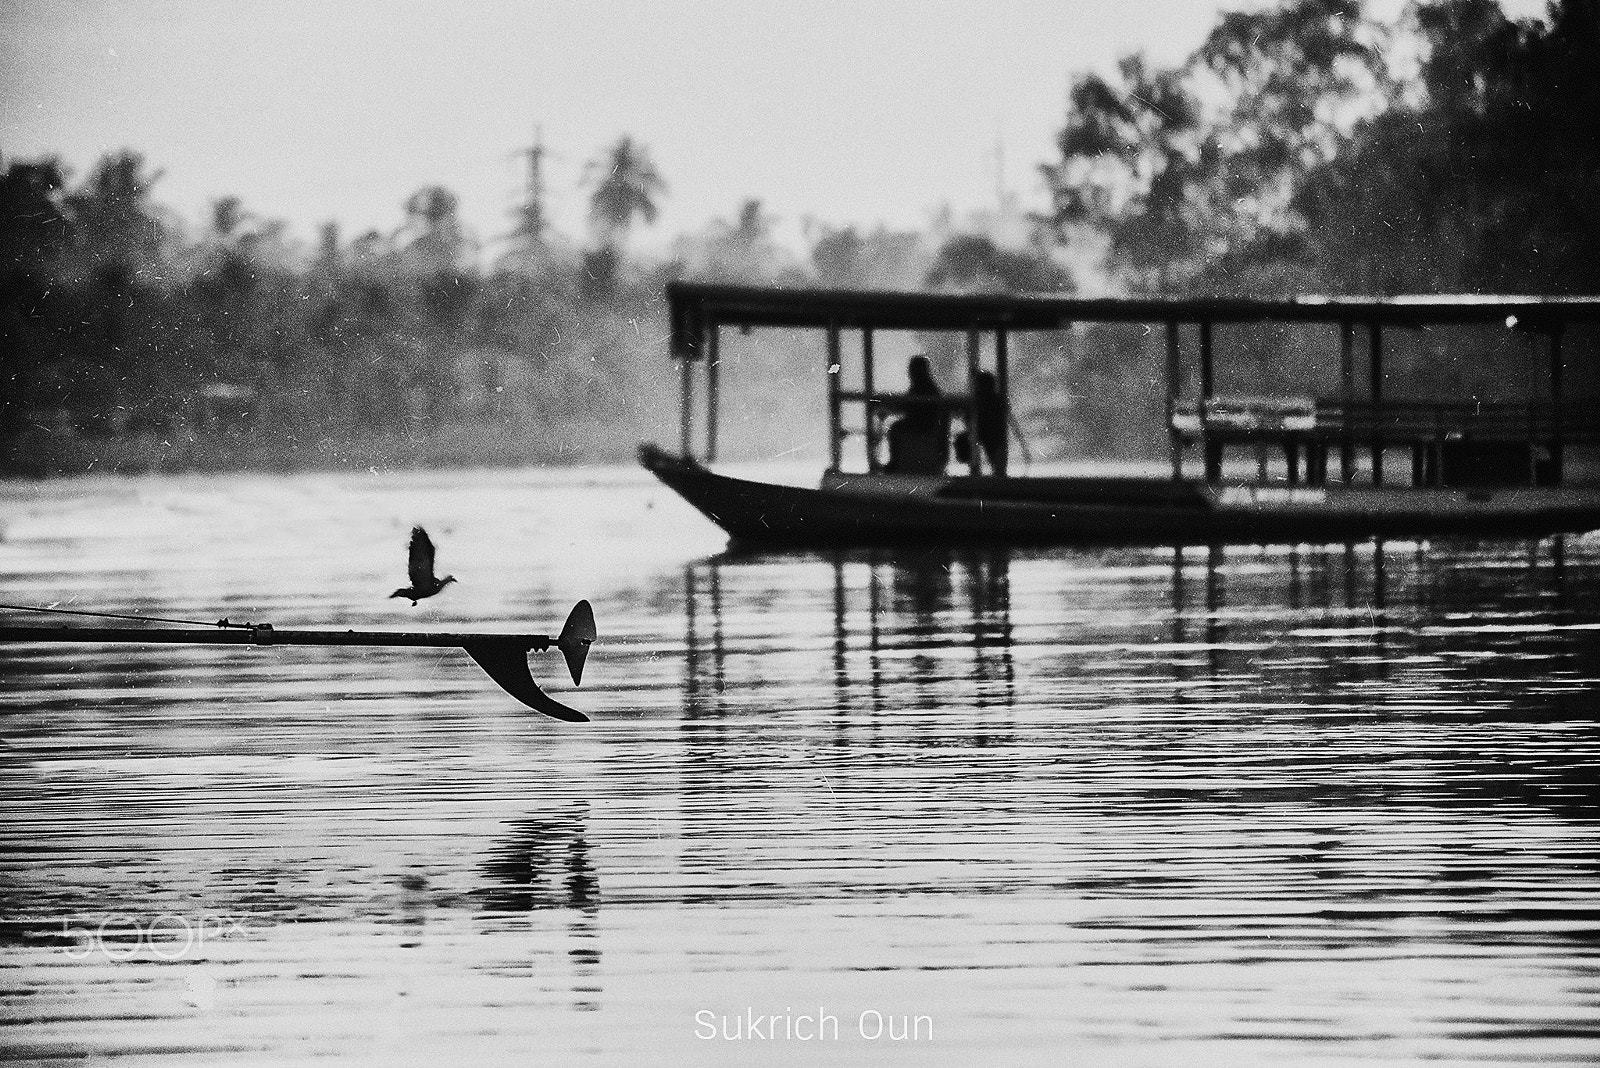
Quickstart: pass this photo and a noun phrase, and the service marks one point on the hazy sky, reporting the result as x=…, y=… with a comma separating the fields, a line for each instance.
x=850, y=111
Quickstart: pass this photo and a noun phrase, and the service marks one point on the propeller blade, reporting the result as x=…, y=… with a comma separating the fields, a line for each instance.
x=507, y=664
x=576, y=636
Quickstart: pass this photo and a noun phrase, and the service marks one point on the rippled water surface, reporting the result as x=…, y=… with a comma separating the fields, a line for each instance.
x=1110, y=807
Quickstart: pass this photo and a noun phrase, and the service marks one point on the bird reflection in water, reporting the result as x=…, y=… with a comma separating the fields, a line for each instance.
x=542, y=870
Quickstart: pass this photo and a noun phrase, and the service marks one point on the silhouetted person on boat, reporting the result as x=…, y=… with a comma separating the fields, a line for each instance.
x=919, y=441
x=419, y=566
x=992, y=419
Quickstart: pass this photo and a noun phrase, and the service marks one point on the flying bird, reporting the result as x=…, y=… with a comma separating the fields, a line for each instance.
x=420, y=569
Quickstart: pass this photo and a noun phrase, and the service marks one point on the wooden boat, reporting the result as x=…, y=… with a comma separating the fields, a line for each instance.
x=1476, y=468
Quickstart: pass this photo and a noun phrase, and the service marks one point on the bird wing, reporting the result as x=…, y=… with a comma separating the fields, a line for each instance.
x=420, y=565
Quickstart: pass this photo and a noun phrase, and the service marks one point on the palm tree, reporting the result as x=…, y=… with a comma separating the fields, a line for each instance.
x=435, y=237
x=117, y=233
x=625, y=185
x=228, y=217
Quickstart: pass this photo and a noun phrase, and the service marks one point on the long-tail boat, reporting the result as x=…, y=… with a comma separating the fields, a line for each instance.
x=1476, y=467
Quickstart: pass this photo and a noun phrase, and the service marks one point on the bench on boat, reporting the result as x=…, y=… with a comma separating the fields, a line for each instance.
x=1451, y=443
x=911, y=451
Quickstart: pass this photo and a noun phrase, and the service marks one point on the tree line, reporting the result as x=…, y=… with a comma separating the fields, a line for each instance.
x=129, y=337
x=1306, y=147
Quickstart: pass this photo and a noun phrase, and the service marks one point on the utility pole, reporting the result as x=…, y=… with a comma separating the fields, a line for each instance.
x=531, y=221
x=1006, y=217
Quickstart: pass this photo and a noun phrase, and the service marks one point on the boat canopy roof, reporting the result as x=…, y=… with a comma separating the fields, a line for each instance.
x=697, y=306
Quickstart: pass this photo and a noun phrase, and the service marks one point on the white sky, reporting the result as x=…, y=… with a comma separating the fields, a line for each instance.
x=849, y=111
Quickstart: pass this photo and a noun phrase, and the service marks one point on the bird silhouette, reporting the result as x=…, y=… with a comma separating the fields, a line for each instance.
x=419, y=568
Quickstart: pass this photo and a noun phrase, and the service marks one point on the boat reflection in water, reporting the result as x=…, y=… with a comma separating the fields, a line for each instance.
x=931, y=648
x=927, y=617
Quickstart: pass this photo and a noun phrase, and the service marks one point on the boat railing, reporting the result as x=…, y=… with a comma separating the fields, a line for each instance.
x=1451, y=442
x=897, y=403
x=1398, y=422
x=1445, y=421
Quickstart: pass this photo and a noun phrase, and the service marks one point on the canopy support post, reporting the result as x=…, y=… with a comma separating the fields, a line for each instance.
x=1002, y=359
x=835, y=370
x=1213, y=450
x=870, y=410
x=974, y=355
x=1347, y=394
x=713, y=358
x=1174, y=365
x=1557, y=431
x=686, y=409
x=1002, y=376
x=1375, y=387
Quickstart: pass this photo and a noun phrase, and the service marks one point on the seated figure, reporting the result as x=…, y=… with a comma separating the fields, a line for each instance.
x=919, y=441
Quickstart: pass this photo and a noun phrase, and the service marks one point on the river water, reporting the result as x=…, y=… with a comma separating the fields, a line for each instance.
x=1326, y=805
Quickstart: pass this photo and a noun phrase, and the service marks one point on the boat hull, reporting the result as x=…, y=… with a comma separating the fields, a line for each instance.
x=877, y=509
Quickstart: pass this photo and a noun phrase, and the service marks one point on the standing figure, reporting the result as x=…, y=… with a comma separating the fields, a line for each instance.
x=992, y=420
